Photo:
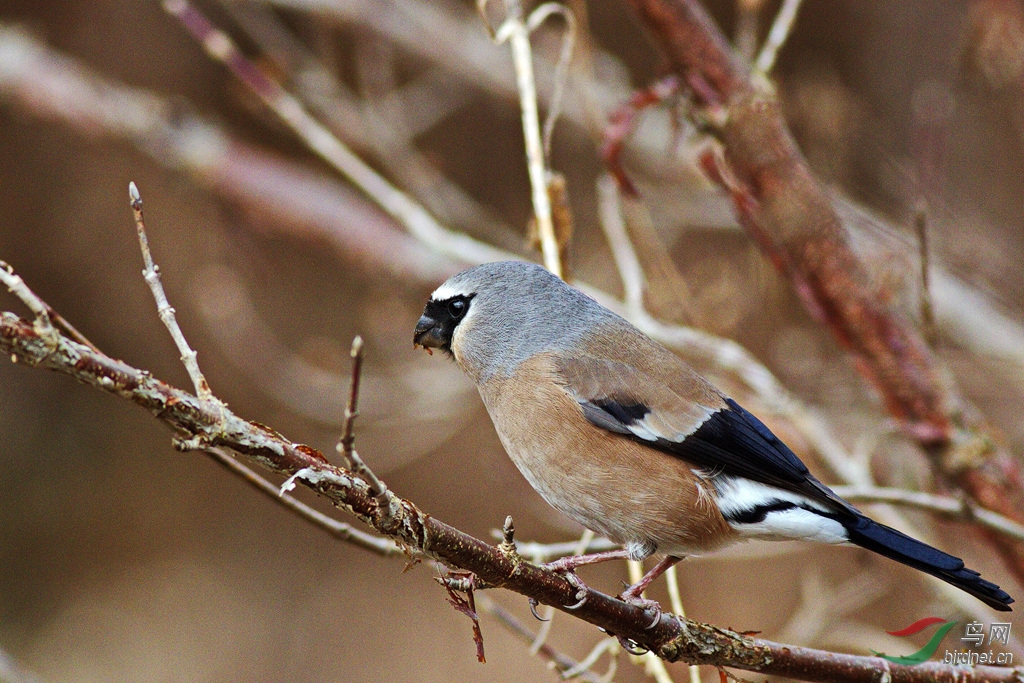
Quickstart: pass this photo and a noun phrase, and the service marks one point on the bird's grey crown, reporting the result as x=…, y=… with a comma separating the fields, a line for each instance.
x=519, y=309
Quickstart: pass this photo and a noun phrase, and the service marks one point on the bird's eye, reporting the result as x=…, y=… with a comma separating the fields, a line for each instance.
x=456, y=308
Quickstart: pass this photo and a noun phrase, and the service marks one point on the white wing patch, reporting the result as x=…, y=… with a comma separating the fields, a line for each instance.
x=654, y=426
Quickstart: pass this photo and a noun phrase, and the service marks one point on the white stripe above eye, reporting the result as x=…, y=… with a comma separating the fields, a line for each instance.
x=447, y=291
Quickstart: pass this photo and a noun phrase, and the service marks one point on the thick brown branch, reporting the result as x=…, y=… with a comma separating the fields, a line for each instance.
x=201, y=424
x=694, y=47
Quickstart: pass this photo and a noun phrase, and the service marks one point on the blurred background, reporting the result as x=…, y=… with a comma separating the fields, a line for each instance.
x=121, y=559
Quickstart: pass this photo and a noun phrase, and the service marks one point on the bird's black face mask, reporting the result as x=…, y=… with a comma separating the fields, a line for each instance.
x=438, y=322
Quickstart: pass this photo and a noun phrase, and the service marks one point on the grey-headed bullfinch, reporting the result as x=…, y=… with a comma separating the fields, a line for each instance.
x=621, y=435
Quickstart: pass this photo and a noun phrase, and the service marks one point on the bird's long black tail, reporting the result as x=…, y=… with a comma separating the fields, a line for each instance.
x=897, y=546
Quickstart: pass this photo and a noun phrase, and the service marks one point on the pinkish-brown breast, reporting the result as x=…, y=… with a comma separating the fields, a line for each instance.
x=607, y=482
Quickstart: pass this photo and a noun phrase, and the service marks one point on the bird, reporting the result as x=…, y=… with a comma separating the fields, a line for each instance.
x=620, y=434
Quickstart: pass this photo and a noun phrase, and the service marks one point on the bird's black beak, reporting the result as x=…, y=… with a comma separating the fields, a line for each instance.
x=428, y=333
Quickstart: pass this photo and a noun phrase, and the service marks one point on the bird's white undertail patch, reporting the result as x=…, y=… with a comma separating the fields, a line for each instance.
x=737, y=496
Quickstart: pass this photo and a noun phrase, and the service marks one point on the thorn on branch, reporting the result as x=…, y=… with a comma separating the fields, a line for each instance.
x=464, y=582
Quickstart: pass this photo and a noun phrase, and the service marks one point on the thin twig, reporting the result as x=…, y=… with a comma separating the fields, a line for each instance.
x=745, y=39
x=514, y=30
x=536, y=18
x=377, y=487
x=675, y=600
x=943, y=505
x=388, y=130
x=777, y=36
x=163, y=307
x=823, y=605
x=548, y=619
x=188, y=358
x=17, y=287
x=609, y=645
x=928, y=327
x=340, y=530
x=438, y=33
x=560, y=662
x=320, y=140
x=348, y=434
x=630, y=270
x=426, y=412
x=653, y=665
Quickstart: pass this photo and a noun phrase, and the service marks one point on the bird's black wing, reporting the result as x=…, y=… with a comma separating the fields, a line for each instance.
x=712, y=432
x=688, y=419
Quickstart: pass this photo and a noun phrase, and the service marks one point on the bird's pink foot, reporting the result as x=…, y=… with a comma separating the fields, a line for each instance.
x=570, y=563
x=632, y=596
x=566, y=566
